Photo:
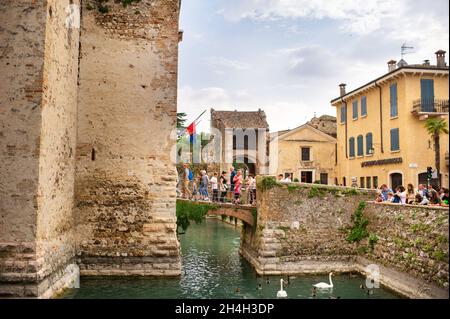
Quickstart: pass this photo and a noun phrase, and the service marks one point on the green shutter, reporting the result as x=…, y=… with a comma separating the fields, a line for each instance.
x=355, y=110
x=363, y=106
x=395, y=139
x=369, y=143
x=360, y=145
x=394, y=100
x=352, y=147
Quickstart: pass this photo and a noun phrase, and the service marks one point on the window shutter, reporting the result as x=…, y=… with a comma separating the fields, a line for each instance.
x=355, y=110
x=394, y=101
x=363, y=106
x=369, y=143
x=343, y=114
x=395, y=139
x=352, y=147
x=360, y=145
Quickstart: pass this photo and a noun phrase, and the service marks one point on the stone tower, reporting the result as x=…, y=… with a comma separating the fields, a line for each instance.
x=86, y=179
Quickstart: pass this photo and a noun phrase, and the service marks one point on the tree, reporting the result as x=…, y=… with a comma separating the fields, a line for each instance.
x=181, y=120
x=436, y=127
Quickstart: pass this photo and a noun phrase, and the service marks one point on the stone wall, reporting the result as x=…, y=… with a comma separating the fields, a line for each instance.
x=303, y=229
x=38, y=99
x=125, y=181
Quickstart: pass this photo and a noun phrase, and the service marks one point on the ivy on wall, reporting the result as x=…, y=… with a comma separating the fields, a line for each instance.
x=188, y=212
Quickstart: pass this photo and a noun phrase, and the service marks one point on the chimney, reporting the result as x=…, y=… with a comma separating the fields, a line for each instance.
x=440, y=57
x=342, y=88
x=392, y=65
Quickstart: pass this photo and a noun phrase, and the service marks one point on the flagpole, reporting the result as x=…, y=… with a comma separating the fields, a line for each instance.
x=181, y=134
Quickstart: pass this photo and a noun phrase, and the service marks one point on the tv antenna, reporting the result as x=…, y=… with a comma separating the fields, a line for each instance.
x=405, y=49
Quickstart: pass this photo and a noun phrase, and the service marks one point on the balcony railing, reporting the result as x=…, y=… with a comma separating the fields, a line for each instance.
x=430, y=106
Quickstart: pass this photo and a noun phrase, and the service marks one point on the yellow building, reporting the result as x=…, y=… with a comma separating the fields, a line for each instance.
x=381, y=138
x=308, y=153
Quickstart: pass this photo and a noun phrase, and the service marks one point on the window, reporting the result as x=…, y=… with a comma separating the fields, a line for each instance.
x=306, y=154
x=369, y=144
x=344, y=181
x=375, y=181
x=355, y=110
x=427, y=95
x=395, y=139
x=361, y=182
x=363, y=106
x=369, y=182
x=352, y=146
x=394, y=104
x=360, y=142
x=343, y=113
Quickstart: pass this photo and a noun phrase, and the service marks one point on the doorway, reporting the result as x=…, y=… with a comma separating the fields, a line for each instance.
x=306, y=177
x=396, y=180
x=324, y=178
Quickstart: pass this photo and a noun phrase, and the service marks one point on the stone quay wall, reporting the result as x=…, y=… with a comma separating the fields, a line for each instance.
x=303, y=228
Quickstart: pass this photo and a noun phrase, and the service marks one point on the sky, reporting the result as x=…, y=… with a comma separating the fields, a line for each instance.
x=288, y=57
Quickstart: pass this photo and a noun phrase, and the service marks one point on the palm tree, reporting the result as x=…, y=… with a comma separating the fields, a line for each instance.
x=436, y=127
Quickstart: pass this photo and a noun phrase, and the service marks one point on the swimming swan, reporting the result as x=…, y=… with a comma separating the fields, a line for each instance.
x=325, y=285
x=282, y=293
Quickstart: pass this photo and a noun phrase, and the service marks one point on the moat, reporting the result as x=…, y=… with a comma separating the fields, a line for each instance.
x=213, y=268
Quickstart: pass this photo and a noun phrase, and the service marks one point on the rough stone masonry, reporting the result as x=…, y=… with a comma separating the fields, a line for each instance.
x=85, y=120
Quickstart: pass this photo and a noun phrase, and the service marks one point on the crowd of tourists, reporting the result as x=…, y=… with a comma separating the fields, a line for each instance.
x=226, y=187
x=423, y=195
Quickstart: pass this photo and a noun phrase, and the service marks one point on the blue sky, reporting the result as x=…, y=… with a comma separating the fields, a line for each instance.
x=287, y=57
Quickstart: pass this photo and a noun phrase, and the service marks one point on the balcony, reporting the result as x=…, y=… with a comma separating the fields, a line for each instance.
x=430, y=108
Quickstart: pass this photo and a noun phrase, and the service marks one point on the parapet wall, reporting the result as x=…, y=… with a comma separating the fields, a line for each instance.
x=303, y=229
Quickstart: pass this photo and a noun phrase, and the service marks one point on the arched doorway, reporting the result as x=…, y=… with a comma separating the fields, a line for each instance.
x=247, y=165
x=396, y=180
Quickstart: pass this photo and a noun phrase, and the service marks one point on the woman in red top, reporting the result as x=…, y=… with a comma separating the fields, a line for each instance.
x=237, y=187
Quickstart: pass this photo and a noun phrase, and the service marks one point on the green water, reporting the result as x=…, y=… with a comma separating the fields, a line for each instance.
x=212, y=268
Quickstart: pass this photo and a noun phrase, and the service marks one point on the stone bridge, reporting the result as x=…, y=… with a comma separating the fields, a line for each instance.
x=245, y=213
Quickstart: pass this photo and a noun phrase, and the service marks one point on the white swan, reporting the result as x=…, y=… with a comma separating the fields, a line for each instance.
x=282, y=293
x=324, y=284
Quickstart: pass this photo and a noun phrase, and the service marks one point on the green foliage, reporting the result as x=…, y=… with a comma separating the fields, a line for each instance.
x=373, y=239
x=350, y=191
x=362, y=250
x=255, y=218
x=316, y=192
x=419, y=227
x=440, y=255
x=267, y=182
x=181, y=120
x=436, y=126
x=296, y=180
x=188, y=211
x=293, y=188
x=359, y=229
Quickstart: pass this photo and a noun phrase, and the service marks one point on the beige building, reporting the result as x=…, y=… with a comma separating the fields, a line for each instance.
x=381, y=134
x=307, y=153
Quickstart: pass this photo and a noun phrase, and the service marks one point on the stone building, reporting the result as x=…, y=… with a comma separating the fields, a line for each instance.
x=86, y=182
x=308, y=152
x=244, y=139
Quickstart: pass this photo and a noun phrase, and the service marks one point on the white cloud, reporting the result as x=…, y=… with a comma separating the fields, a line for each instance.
x=221, y=65
x=358, y=16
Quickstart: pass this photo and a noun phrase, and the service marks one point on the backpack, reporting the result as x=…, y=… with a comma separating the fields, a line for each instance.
x=190, y=176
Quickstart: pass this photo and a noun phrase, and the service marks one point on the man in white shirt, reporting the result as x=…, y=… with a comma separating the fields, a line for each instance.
x=215, y=188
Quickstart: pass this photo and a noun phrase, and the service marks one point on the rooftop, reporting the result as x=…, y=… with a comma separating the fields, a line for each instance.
x=238, y=119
